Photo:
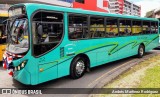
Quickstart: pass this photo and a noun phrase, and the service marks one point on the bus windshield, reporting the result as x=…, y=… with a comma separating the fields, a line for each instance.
x=17, y=36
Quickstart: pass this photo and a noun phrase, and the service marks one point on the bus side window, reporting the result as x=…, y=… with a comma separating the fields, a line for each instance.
x=47, y=28
x=3, y=36
x=136, y=27
x=146, y=27
x=97, y=28
x=156, y=27
x=125, y=27
x=78, y=26
x=0, y=36
x=153, y=27
x=111, y=27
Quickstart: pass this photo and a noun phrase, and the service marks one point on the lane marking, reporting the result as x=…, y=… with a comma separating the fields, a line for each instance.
x=108, y=73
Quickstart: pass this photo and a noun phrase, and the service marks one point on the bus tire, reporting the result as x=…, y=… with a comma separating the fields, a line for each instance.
x=141, y=51
x=78, y=67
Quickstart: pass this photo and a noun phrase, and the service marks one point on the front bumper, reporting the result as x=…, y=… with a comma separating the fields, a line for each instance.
x=23, y=76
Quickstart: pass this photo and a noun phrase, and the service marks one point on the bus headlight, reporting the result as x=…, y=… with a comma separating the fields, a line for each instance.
x=15, y=68
x=21, y=66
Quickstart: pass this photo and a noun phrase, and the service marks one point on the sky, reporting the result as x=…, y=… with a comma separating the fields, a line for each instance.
x=147, y=5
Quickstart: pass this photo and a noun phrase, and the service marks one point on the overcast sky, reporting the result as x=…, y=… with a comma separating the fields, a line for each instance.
x=147, y=5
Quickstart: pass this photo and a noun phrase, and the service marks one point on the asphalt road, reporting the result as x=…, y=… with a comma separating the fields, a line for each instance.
x=89, y=80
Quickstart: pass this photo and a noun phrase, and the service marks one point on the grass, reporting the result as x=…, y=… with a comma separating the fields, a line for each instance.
x=144, y=75
x=132, y=70
x=150, y=80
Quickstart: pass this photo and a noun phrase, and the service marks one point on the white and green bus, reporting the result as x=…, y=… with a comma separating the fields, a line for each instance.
x=47, y=42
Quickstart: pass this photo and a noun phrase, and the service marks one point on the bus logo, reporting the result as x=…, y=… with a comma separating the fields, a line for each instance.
x=6, y=91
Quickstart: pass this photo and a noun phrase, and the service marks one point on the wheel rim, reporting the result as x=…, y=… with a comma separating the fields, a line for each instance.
x=141, y=51
x=80, y=66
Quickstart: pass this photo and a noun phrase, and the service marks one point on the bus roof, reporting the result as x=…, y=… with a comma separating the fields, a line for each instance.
x=81, y=11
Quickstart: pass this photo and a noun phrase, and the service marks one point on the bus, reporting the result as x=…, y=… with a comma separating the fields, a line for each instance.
x=46, y=42
x=157, y=48
x=3, y=17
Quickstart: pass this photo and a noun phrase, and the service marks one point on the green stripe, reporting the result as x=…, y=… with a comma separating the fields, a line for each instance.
x=113, y=50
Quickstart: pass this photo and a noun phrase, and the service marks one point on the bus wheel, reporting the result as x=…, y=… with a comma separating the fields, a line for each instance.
x=78, y=68
x=141, y=51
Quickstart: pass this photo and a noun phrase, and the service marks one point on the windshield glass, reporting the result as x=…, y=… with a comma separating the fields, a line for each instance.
x=17, y=36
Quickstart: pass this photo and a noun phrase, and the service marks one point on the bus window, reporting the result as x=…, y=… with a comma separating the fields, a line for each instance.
x=156, y=27
x=3, y=36
x=111, y=27
x=125, y=27
x=97, y=28
x=136, y=27
x=78, y=26
x=153, y=27
x=47, y=28
x=146, y=27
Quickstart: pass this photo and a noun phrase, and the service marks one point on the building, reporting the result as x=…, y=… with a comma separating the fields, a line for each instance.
x=150, y=14
x=109, y=6
x=131, y=8
x=96, y=5
x=116, y=6
x=155, y=13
